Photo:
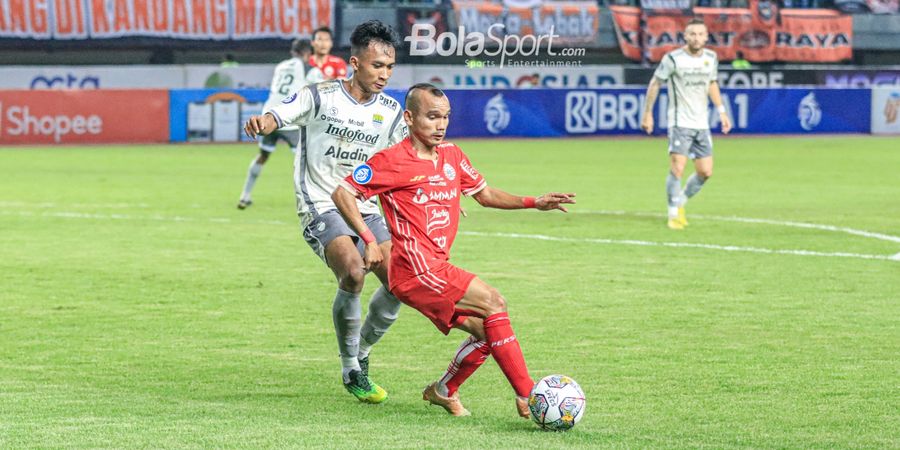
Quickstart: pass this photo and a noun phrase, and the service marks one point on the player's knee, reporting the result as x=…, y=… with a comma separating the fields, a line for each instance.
x=495, y=302
x=262, y=158
x=705, y=174
x=353, y=279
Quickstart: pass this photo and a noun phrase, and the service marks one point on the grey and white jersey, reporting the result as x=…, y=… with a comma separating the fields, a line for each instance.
x=688, y=78
x=337, y=133
x=290, y=76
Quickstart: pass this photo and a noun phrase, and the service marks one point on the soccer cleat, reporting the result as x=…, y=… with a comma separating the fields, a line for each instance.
x=451, y=404
x=243, y=204
x=681, y=216
x=675, y=224
x=364, y=389
x=522, y=407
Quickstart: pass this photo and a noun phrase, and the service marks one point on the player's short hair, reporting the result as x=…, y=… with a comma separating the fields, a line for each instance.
x=695, y=21
x=323, y=30
x=300, y=46
x=412, y=101
x=372, y=31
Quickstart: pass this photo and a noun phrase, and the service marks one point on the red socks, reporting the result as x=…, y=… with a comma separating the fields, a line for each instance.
x=471, y=355
x=507, y=353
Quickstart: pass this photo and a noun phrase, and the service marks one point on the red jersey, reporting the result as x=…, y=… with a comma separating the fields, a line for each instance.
x=420, y=199
x=333, y=68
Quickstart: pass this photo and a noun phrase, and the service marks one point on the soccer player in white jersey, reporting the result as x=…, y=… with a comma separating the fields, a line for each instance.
x=290, y=76
x=691, y=72
x=343, y=123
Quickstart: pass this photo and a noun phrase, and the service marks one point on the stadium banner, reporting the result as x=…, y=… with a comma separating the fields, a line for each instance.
x=739, y=78
x=859, y=78
x=190, y=76
x=206, y=115
x=84, y=116
x=763, y=33
x=550, y=113
x=886, y=110
x=570, y=21
x=462, y=77
x=170, y=19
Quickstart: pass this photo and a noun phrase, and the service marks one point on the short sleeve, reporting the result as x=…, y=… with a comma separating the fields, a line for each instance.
x=372, y=177
x=297, y=109
x=399, y=132
x=714, y=73
x=471, y=181
x=666, y=67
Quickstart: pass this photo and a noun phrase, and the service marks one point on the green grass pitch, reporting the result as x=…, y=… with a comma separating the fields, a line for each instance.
x=140, y=309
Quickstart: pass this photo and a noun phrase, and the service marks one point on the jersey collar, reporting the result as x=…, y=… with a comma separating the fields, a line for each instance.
x=344, y=90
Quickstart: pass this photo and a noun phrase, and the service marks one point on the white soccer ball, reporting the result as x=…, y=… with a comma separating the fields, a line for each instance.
x=556, y=403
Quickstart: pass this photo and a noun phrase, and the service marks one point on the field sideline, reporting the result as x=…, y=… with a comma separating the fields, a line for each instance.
x=140, y=308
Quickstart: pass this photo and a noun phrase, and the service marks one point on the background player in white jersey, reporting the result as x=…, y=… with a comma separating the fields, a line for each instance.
x=343, y=123
x=290, y=76
x=692, y=73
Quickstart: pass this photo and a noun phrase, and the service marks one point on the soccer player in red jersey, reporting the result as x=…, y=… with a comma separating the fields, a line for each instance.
x=419, y=182
x=333, y=67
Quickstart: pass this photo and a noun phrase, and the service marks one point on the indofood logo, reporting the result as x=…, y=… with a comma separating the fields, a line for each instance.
x=809, y=112
x=351, y=135
x=496, y=114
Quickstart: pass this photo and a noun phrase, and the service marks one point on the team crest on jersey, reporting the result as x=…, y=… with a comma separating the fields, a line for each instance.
x=362, y=174
x=449, y=172
x=333, y=111
x=420, y=198
x=377, y=120
x=290, y=99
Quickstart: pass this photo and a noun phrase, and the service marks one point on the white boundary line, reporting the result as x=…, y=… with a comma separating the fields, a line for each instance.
x=729, y=248
x=786, y=223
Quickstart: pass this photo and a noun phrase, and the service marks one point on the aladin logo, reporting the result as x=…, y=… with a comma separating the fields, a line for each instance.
x=809, y=112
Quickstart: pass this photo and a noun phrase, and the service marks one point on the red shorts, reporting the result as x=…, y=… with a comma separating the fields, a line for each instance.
x=435, y=293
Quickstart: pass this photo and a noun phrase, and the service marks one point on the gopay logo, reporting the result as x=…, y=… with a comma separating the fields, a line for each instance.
x=424, y=41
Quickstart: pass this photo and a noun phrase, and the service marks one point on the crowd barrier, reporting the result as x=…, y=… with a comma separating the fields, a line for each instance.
x=211, y=115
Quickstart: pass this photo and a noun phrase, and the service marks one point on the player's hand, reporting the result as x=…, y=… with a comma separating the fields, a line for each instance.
x=554, y=200
x=255, y=126
x=647, y=123
x=373, y=257
x=726, y=123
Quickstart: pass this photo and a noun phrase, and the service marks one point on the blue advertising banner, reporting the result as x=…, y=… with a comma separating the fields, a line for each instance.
x=212, y=115
x=556, y=112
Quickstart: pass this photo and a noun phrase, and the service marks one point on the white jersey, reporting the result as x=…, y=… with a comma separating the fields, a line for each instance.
x=290, y=76
x=688, y=78
x=336, y=134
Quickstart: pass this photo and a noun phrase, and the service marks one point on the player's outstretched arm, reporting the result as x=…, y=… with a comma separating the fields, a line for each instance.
x=346, y=204
x=495, y=198
x=260, y=125
x=716, y=96
x=652, y=93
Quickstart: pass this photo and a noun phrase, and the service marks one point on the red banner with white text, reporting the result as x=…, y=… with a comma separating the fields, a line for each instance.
x=84, y=116
x=170, y=19
x=763, y=33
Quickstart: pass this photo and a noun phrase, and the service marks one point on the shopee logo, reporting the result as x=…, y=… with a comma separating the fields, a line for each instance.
x=23, y=123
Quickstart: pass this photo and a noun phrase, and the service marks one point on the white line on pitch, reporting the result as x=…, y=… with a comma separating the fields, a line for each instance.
x=729, y=248
x=787, y=223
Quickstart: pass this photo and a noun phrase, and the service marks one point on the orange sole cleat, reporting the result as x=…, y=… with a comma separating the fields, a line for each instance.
x=451, y=404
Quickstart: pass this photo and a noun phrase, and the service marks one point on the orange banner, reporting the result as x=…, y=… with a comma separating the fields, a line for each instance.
x=799, y=35
x=84, y=116
x=571, y=21
x=174, y=19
